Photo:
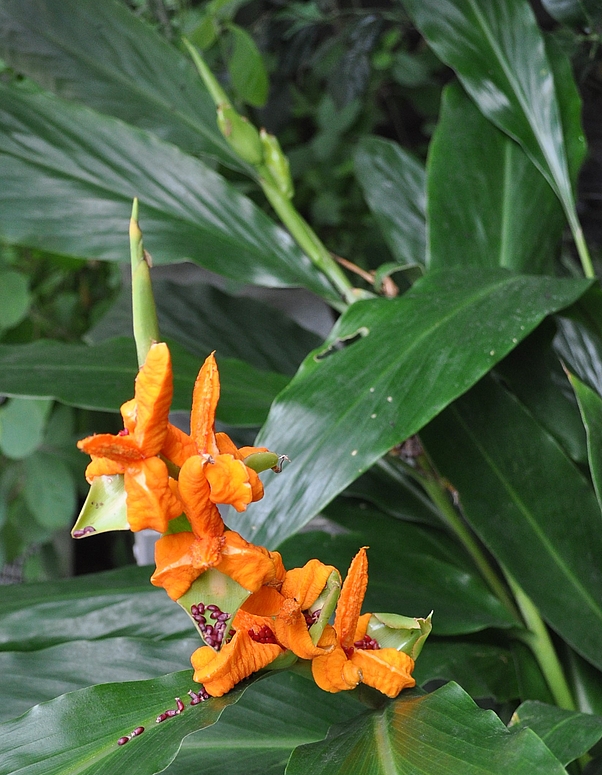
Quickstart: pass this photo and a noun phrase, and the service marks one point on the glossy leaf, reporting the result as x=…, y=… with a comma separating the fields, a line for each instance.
x=77, y=733
x=102, y=377
x=531, y=506
x=590, y=405
x=579, y=338
x=393, y=182
x=246, y=68
x=567, y=734
x=500, y=56
x=71, y=192
x=586, y=682
x=412, y=570
x=338, y=416
x=578, y=12
x=443, y=733
x=488, y=205
x=125, y=69
x=22, y=423
x=202, y=318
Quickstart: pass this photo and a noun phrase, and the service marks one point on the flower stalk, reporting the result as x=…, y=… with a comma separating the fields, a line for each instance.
x=144, y=312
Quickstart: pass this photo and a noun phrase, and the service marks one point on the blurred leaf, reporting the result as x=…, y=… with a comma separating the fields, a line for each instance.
x=567, y=734
x=531, y=682
x=357, y=397
x=590, y=406
x=102, y=377
x=488, y=204
x=579, y=338
x=531, y=506
x=579, y=12
x=246, y=68
x=393, y=182
x=349, y=77
x=70, y=191
x=14, y=298
x=50, y=490
x=102, y=55
x=586, y=682
x=443, y=733
x=22, y=422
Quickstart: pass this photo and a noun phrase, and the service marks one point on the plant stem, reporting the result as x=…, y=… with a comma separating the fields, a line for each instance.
x=144, y=312
x=538, y=639
x=581, y=245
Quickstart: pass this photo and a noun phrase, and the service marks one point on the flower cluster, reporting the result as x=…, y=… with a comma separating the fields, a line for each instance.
x=249, y=610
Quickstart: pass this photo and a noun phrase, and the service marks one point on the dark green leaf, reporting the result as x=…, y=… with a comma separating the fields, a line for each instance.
x=579, y=338
x=567, y=734
x=102, y=377
x=50, y=490
x=69, y=176
x=246, y=68
x=14, y=298
x=443, y=733
x=531, y=506
x=590, y=405
x=586, y=682
x=77, y=733
x=531, y=682
x=393, y=182
x=488, y=205
x=578, y=12
x=413, y=569
x=348, y=405
x=102, y=55
x=22, y=423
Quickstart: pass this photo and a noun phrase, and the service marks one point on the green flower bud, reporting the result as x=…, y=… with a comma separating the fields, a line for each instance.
x=261, y=461
x=400, y=632
x=240, y=134
x=277, y=163
x=325, y=604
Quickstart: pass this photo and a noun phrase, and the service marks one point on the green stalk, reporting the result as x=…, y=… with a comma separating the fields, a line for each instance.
x=144, y=312
x=582, y=249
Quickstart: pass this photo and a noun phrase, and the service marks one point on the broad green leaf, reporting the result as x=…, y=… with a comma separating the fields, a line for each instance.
x=531, y=506
x=393, y=183
x=579, y=338
x=247, y=71
x=201, y=318
x=14, y=298
x=102, y=377
x=50, y=490
x=77, y=733
x=531, y=682
x=124, y=69
x=590, y=405
x=481, y=670
x=443, y=733
x=22, y=423
x=70, y=192
x=500, y=56
x=257, y=735
x=578, y=12
x=28, y=678
x=358, y=396
x=488, y=205
x=412, y=569
x=567, y=734
x=586, y=682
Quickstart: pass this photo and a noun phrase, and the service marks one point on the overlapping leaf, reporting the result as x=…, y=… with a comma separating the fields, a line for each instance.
x=590, y=405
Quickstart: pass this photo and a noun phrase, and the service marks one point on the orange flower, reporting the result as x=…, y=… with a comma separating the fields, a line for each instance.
x=151, y=499
x=354, y=657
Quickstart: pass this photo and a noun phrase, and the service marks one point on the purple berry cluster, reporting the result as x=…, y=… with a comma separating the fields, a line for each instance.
x=311, y=617
x=85, y=531
x=213, y=634
x=367, y=643
x=133, y=733
x=196, y=697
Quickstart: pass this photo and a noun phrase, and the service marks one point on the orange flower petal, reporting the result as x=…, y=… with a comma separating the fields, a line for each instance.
x=244, y=620
x=103, y=466
x=121, y=449
x=351, y=599
x=229, y=481
x=177, y=446
x=291, y=631
x=220, y=671
x=249, y=565
x=305, y=584
x=181, y=558
x=256, y=485
x=194, y=492
x=333, y=672
x=387, y=670
x=280, y=569
x=204, y=403
x=128, y=412
x=265, y=602
x=246, y=451
x=226, y=446
x=153, y=392
x=362, y=627
x=150, y=500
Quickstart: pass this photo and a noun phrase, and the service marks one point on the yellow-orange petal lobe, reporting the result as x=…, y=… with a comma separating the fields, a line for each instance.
x=204, y=403
x=128, y=412
x=305, y=584
x=151, y=503
x=220, y=671
x=362, y=627
x=267, y=601
x=229, y=481
x=121, y=449
x=249, y=565
x=333, y=672
x=153, y=393
x=291, y=631
x=177, y=446
x=194, y=491
x=387, y=670
x=181, y=558
x=352, y=596
x=103, y=466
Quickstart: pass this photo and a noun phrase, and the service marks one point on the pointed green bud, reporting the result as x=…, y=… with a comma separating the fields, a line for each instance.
x=277, y=163
x=104, y=508
x=400, y=632
x=325, y=604
x=240, y=134
x=144, y=312
x=261, y=461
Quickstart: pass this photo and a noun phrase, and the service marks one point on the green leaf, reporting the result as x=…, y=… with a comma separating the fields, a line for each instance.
x=531, y=506
x=246, y=68
x=71, y=192
x=443, y=733
x=393, y=182
x=338, y=416
x=257, y=735
x=578, y=12
x=531, y=682
x=50, y=490
x=488, y=205
x=201, y=318
x=412, y=569
x=590, y=406
x=102, y=377
x=579, y=338
x=77, y=733
x=567, y=734
x=22, y=423
x=482, y=670
x=125, y=69
x=500, y=56
x=14, y=298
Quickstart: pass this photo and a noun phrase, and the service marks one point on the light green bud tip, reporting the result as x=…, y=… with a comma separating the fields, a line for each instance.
x=261, y=461
x=277, y=163
x=400, y=632
x=240, y=134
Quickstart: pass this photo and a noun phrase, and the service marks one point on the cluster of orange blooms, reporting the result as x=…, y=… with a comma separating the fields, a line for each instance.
x=168, y=474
